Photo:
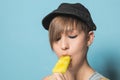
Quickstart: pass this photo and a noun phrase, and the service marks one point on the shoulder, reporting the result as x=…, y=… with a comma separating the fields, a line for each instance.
x=104, y=79
x=98, y=76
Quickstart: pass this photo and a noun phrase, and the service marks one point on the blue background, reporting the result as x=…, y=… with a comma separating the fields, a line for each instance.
x=25, y=53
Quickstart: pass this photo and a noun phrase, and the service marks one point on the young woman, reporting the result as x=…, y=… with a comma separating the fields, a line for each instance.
x=71, y=33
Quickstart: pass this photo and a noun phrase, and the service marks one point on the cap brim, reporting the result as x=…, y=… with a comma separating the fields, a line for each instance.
x=46, y=21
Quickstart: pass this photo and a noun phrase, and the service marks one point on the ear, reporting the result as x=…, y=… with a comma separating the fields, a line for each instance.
x=90, y=38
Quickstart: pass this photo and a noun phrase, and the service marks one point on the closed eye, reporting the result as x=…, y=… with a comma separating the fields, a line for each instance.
x=72, y=37
x=58, y=38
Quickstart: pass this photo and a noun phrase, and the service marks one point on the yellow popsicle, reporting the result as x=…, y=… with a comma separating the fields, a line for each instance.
x=62, y=65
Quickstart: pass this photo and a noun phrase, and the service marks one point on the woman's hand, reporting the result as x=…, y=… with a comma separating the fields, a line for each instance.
x=51, y=77
x=60, y=76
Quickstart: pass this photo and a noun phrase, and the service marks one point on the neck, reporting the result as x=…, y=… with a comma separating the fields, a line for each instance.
x=84, y=72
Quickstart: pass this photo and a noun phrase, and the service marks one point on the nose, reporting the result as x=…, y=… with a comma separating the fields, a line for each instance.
x=64, y=44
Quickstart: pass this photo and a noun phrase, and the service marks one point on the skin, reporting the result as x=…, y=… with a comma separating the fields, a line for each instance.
x=75, y=45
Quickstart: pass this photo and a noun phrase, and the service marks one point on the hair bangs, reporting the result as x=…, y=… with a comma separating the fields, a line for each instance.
x=63, y=24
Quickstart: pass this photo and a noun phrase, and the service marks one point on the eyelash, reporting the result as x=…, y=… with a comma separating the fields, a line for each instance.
x=72, y=37
x=58, y=39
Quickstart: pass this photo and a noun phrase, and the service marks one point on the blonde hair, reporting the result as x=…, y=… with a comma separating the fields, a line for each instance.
x=65, y=24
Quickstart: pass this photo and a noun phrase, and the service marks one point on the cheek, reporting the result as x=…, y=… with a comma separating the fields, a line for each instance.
x=78, y=52
x=78, y=46
x=56, y=50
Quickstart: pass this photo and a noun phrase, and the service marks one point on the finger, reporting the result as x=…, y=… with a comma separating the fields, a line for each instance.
x=60, y=76
x=52, y=77
x=63, y=76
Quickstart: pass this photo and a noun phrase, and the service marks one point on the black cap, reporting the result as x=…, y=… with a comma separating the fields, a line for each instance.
x=76, y=10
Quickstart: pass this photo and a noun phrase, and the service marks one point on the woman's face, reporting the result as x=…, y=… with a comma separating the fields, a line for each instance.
x=74, y=44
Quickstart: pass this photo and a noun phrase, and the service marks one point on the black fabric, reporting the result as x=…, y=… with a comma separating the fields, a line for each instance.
x=74, y=10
